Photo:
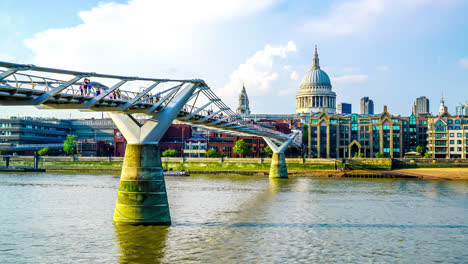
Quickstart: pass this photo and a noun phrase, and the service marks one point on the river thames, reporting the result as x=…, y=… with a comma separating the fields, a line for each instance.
x=56, y=218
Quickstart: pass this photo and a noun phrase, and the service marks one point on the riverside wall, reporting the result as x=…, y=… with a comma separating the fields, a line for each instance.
x=224, y=165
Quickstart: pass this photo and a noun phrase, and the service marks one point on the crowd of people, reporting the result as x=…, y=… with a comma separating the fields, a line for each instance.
x=86, y=89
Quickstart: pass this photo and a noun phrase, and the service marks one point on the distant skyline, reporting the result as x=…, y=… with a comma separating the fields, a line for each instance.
x=391, y=51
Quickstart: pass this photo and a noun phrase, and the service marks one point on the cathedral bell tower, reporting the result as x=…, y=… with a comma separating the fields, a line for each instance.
x=243, y=109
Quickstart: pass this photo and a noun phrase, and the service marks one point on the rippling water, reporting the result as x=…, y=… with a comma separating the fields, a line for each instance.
x=55, y=218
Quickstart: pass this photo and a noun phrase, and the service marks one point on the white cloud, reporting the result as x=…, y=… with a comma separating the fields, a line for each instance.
x=464, y=63
x=139, y=37
x=383, y=68
x=345, y=79
x=294, y=76
x=258, y=72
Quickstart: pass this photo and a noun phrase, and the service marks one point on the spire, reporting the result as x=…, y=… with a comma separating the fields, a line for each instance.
x=316, y=64
x=442, y=106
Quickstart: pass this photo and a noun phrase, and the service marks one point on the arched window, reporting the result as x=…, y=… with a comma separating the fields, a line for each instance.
x=412, y=120
x=440, y=126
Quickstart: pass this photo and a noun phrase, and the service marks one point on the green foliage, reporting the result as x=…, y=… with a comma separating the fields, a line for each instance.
x=427, y=155
x=43, y=151
x=379, y=155
x=268, y=151
x=69, y=145
x=212, y=153
x=305, y=135
x=241, y=148
x=169, y=153
x=421, y=149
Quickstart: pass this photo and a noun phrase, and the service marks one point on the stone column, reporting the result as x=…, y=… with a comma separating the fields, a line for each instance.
x=381, y=137
x=318, y=140
x=391, y=140
x=328, y=141
x=142, y=198
x=278, y=168
x=338, y=139
x=310, y=140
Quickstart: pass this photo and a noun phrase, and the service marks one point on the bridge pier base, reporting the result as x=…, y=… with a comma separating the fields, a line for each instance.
x=142, y=197
x=278, y=168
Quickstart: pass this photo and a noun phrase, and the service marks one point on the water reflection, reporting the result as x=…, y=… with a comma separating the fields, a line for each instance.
x=279, y=185
x=141, y=244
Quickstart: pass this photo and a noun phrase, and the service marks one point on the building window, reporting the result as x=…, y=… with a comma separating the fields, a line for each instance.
x=378, y=128
x=396, y=127
x=314, y=121
x=459, y=142
x=451, y=141
x=386, y=150
x=333, y=121
x=375, y=121
x=396, y=150
x=459, y=135
x=450, y=121
x=412, y=120
x=451, y=148
x=395, y=121
x=354, y=127
x=451, y=134
x=425, y=122
x=457, y=121
x=387, y=127
x=440, y=126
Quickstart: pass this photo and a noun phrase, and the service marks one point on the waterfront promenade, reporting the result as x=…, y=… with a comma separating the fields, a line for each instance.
x=366, y=168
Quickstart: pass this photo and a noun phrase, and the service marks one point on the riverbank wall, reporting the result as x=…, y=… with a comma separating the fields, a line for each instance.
x=247, y=166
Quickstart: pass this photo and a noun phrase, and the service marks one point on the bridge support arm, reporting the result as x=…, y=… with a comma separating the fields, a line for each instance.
x=278, y=168
x=142, y=197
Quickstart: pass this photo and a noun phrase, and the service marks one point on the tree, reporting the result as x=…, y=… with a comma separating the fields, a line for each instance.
x=268, y=151
x=169, y=153
x=379, y=155
x=213, y=153
x=427, y=155
x=69, y=145
x=241, y=148
x=421, y=149
x=43, y=151
x=305, y=135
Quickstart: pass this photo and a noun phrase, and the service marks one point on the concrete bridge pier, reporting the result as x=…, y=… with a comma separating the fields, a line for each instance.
x=278, y=168
x=142, y=197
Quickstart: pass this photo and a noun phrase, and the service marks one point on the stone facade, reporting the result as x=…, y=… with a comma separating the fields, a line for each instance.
x=344, y=136
x=447, y=136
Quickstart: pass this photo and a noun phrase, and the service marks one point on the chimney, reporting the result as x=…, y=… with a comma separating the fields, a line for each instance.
x=385, y=108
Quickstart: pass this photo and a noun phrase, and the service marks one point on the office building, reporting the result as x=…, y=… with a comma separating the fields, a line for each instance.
x=345, y=136
x=421, y=106
x=367, y=106
x=343, y=108
x=462, y=109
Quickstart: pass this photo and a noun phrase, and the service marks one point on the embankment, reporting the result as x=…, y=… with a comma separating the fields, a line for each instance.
x=360, y=167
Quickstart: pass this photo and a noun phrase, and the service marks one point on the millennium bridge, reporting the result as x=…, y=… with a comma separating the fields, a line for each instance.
x=142, y=117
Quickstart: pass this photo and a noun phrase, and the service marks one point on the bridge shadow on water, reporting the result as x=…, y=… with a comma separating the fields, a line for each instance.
x=141, y=244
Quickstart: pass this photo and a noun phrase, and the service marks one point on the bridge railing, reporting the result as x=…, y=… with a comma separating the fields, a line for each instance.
x=27, y=80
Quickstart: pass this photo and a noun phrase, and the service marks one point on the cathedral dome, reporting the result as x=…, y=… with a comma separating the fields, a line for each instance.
x=316, y=76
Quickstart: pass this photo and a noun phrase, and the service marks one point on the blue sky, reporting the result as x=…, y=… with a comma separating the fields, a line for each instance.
x=392, y=51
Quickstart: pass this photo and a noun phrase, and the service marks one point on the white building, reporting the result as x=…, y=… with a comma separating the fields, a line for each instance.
x=316, y=91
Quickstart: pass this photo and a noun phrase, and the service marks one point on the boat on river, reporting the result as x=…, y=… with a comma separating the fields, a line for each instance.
x=176, y=173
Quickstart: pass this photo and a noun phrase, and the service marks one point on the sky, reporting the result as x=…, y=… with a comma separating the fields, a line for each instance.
x=392, y=51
